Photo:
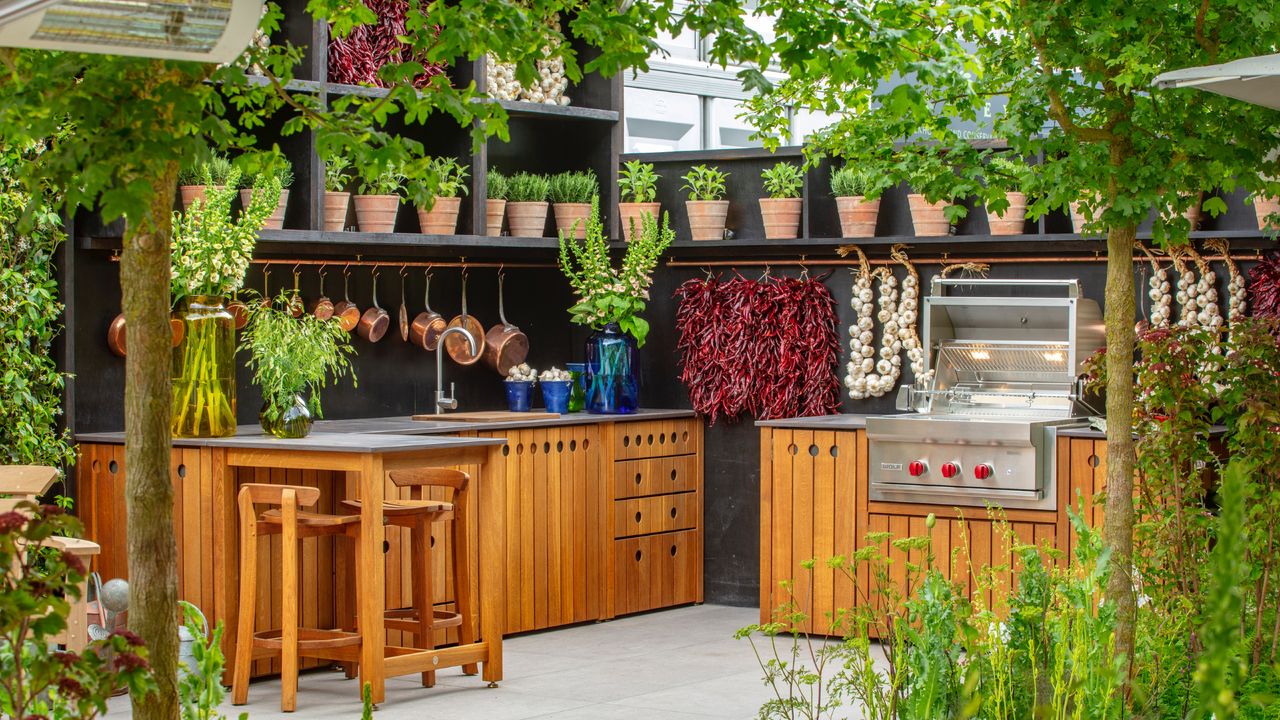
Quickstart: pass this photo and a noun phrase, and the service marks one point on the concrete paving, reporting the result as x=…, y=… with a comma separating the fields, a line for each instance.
x=680, y=664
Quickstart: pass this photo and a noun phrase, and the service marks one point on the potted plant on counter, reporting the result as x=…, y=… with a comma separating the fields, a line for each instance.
x=438, y=215
x=210, y=256
x=496, y=208
x=706, y=207
x=337, y=197
x=527, y=204
x=571, y=195
x=1011, y=219
x=857, y=194
x=292, y=360
x=283, y=172
x=638, y=187
x=781, y=210
x=379, y=200
x=610, y=301
x=195, y=179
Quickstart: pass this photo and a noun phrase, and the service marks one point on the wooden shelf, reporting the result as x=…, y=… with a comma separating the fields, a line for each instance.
x=346, y=242
x=514, y=108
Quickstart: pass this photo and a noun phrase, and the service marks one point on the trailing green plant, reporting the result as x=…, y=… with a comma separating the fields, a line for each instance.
x=382, y=180
x=573, y=187
x=496, y=185
x=337, y=175
x=637, y=182
x=705, y=183
x=607, y=294
x=211, y=252
x=528, y=187
x=214, y=169
x=783, y=180
x=292, y=357
x=200, y=689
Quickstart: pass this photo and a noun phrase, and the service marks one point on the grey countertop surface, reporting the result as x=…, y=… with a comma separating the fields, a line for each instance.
x=319, y=442
x=848, y=421
x=387, y=428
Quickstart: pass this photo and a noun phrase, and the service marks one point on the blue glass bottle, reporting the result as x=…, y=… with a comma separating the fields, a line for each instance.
x=611, y=379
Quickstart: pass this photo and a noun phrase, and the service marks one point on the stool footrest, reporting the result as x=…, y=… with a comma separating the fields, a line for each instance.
x=308, y=639
x=406, y=619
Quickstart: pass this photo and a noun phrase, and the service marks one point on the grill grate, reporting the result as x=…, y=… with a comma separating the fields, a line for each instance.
x=978, y=358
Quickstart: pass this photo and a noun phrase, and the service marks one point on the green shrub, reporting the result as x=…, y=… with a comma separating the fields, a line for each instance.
x=497, y=185
x=528, y=187
x=573, y=187
x=337, y=177
x=849, y=181
x=705, y=183
x=783, y=180
x=637, y=182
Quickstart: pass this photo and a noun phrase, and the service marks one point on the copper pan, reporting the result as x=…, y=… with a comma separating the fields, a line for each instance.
x=239, y=311
x=296, y=307
x=374, y=321
x=428, y=324
x=117, y=338
x=322, y=308
x=455, y=345
x=347, y=312
x=403, y=316
x=505, y=346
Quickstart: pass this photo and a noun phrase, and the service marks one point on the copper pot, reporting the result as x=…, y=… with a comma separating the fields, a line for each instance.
x=374, y=321
x=505, y=346
x=239, y=311
x=322, y=308
x=296, y=307
x=428, y=324
x=455, y=344
x=117, y=338
x=403, y=316
x=347, y=312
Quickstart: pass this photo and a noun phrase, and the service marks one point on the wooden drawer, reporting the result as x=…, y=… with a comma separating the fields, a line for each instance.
x=655, y=571
x=661, y=513
x=657, y=438
x=655, y=476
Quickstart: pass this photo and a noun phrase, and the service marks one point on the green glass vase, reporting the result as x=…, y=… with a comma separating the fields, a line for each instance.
x=291, y=423
x=204, y=369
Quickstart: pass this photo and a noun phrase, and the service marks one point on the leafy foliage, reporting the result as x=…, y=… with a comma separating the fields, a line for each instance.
x=279, y=168
x=337, y=175
x=573, y=187
x=783, y=180
x=450, y=180
x=200, y=689
x=609, y=295
x=528, y=187
x=214, y=169
x=294, y=356
x=637, y=182
x=497, y=185
x=211, y=252
x=850, y=181
x=705, y=183
x=386, y=180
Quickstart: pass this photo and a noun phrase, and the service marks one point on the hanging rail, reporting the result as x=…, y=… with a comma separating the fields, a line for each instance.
x=460, y=263
x=941, y=260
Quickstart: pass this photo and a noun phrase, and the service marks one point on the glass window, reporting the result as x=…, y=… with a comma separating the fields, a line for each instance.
x=805, y=122
x=727, y=129
x=662, y=121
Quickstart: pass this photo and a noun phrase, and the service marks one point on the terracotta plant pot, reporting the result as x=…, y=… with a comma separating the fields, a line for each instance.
x=928, y=219
x=1015, y=216
x=1192, y=213
x=527, y=219
x=275, y=221
x=632, y=214
x=442, y=218
x=857, y=216
x=567, y=214
x=189, y=193
x=1265, y=206
x=335, y=210
x=781, y=218
x=377, y=213
x=707, y=218
x=494, y=212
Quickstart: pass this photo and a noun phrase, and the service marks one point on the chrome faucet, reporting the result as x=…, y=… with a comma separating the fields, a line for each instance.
x=449, y=402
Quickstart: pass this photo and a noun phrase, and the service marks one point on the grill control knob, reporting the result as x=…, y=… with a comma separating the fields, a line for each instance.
x=917, y=468
x=950, y=470
x=983, y=471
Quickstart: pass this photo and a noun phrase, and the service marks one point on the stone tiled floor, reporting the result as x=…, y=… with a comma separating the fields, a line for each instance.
x=681, y=664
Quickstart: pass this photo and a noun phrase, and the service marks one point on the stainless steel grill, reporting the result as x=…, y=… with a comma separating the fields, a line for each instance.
x=1003, y=377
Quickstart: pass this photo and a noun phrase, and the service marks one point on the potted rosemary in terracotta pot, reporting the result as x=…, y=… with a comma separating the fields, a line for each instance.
x=496, y=207
x=610, y=301
x=638, y=187
x=337, y=196
x=292, y=360
x=527, y=204
x=1011, y=219
x=857, y=194
x=283, y=171
x=706, y=207
x=781, y=210
x=379, y=200
x=193, y=181
x=571, y=195
x=210, y=256
x=438, y=215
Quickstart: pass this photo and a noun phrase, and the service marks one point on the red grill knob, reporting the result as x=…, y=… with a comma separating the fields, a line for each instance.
x=983, y=471
x=950, y=470
x=917, y=468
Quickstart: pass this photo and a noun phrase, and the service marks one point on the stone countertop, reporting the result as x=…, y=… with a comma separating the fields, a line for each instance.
x=401, y=426
x=847, y=421
x=318, y=442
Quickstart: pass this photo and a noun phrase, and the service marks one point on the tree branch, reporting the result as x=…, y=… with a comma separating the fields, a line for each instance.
x=1058, y=109
x=1209, y=46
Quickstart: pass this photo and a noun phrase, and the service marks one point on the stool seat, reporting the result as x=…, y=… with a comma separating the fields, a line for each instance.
x=310, y=519
x=399, y=509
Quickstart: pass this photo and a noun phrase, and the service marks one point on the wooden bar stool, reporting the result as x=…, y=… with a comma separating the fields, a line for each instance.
x=417, y=514
x=289, y=642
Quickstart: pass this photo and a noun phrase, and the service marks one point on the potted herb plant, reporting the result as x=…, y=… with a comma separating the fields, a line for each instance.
x=638, y=186
x=781, y=210
x=337, y=197
x=193, y=180
x=379, y=200
x=292, y=360
x=440, y=216
x=527, y=204
x=1267, y=209
x=1012, y=219
x=857, y=194
x=928, y=209
x=210, y=256
x=610, y=301
x=283, y=172
x=707, y=210
x=571, y=194
x=496, y=208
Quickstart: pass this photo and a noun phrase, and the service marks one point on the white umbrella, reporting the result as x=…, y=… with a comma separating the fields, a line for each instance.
x=1255, y=80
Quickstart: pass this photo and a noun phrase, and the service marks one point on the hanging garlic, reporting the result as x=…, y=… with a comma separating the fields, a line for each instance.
x=1206, y=292
x=1158, y=284
x=1237, y=294
x=865, y=376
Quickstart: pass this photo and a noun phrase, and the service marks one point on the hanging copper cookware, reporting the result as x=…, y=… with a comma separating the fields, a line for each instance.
x=428, y=324
x=117, y=338
x=296, y=307
x=374, y=322
x=455, y=345
x=505, y=346
x=239, y=311
x=347, y=312
x=322, y=308
x=403, y=316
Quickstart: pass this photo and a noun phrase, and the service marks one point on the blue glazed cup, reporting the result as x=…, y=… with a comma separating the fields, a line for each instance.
x=519, y=393
x=555, y=395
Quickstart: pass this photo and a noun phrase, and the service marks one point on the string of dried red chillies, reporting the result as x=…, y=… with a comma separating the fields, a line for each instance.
x=1264, y=286
x=765, y=347
x=356, y=58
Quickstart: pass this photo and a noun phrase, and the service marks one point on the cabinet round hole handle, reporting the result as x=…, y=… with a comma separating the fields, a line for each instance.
x=560, y=446
x=639, y=478
x=573, y=446
x=431, y=541
x=626, y=441
x=1094, y=461
x=637, y=556
x=637, y=516
x=586, y=443
x=546, y=448
x=386, y=546
x=182, y=470
x=506, y=450
x=650, y=438
x=673, y=511
x=113, y=467
x=673, y=551
x=685, y=437
x=97, y=466
x=673, y=475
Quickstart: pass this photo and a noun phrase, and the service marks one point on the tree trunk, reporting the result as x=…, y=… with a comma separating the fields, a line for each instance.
x=1118, y=527
x=153, y=555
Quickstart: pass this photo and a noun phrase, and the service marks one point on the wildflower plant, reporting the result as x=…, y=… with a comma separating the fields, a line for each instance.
x=211, y=252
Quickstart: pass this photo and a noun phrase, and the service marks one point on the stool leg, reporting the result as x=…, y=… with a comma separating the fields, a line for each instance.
x=462, y=583
x=248, y=602
x=289, y=610
x=423, y=597
x=352, y=669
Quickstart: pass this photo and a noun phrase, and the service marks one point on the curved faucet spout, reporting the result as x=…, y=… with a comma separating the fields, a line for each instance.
x=450, y=401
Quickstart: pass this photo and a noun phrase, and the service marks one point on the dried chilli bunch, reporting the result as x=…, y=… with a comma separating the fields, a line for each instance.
x=1158, y=290
x=210, y=252
x=1237, y=297
x=1264, y=286
x=356, y=58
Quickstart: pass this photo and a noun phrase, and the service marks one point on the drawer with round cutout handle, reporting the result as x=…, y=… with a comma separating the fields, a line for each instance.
x=660, y=513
